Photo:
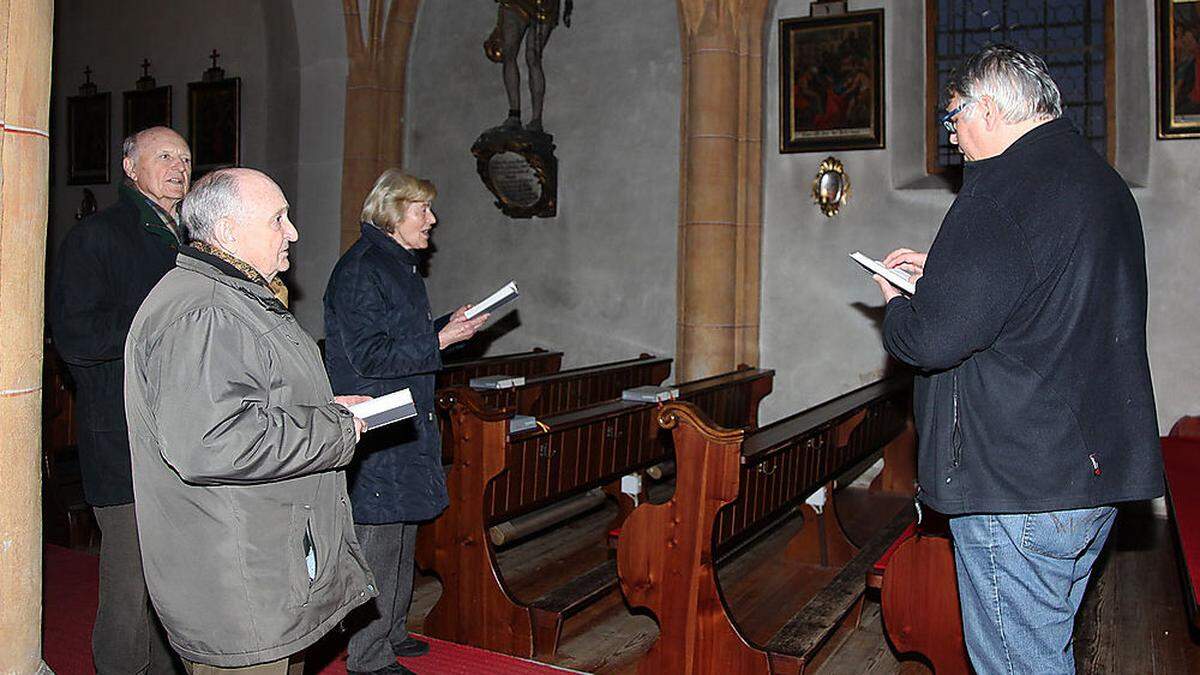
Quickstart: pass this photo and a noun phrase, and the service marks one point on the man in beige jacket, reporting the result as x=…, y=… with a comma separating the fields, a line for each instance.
x=237, y=445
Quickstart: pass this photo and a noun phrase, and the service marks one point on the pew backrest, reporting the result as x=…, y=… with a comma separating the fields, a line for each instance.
x=537, y=361
x=587, y=448
x=568, y=390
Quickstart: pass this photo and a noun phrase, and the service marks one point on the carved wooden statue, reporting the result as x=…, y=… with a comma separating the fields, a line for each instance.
x=516, y=20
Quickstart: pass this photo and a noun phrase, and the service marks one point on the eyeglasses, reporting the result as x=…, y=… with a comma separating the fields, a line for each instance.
x=947, y=120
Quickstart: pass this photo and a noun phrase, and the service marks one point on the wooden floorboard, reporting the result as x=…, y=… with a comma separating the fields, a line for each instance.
x=1132, y=621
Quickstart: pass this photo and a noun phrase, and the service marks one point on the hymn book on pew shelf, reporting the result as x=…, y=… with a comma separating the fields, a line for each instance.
x=895, y=277
x=384, y=410
x=650, y=394
x=497, y=382
x=503, y=295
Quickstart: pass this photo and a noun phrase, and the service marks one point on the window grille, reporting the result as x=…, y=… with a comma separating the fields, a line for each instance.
x=1073, y=36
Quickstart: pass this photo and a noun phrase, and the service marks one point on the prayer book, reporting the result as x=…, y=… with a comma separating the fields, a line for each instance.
x=896, y=277
x=497, y=382
x=504, y=295
x=384, y=410
x=650, y=394
x=521, y=423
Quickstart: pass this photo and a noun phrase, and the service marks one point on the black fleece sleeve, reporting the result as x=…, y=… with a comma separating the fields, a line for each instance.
x=976, y=271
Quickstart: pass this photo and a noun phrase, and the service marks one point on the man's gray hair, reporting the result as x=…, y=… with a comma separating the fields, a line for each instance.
x=129, y=145
x=1017, y=80
x=213, y=197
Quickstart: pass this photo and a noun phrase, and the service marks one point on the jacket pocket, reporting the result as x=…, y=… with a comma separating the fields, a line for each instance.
x=1064, y=534
x=299, y=543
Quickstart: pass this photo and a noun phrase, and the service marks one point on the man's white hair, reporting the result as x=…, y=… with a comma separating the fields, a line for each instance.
x=213, y=197
x=1017, y=80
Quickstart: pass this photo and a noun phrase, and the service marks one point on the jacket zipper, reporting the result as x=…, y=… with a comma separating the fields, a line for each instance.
x=956, y=434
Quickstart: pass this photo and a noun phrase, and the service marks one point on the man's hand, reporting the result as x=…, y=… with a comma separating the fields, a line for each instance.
x=460, y=327
x=889, y=291
x=912, y=262
x=346, y=401
x=907, y=260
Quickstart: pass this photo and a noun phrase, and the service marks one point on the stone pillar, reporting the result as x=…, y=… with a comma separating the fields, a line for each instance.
x=25, y=37
x=721, y=190
x=374, y=129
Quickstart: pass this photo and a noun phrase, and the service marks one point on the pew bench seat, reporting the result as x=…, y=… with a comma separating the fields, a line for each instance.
x=548, y=612
x=809, y=628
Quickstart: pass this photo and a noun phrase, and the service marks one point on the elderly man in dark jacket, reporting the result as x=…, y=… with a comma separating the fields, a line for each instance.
x=104, y=269
x=380, y=336
x=238, y=444
x=1034, y=405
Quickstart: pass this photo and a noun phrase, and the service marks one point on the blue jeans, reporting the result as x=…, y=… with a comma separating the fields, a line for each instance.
x=1021, y=579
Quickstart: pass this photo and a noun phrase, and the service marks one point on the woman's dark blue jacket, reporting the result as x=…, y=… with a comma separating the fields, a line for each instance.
x=380, y=337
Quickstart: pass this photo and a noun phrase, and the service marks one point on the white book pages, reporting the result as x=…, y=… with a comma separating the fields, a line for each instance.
x=384, y=410
x=896, y=277
x=505, y=294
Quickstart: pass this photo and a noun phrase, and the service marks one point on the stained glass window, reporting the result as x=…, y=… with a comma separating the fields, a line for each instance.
x=1070, y=35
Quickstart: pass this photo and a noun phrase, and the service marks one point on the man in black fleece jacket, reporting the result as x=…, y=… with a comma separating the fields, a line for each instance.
x=1028, y=327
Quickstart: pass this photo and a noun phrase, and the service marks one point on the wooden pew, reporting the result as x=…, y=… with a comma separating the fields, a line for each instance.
x=537, y=361
x=918, y=595
x=1181, y=466
x=733, y=486
x=496, y=476
x=566, y=390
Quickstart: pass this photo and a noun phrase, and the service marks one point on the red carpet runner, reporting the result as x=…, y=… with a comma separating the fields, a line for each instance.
x=70, y=606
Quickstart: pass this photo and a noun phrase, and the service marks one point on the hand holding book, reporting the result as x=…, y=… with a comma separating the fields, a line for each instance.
x=460, y=328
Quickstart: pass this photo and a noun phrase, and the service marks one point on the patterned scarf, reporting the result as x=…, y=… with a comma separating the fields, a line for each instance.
x=276, y=285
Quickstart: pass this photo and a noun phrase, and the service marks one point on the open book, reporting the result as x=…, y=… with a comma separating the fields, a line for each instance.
x=384, y=410
x=896, y=277
x=505, y=294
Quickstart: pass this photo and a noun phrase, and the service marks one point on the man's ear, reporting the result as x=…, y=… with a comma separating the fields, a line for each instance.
x=226, y=231
x=127, y=164
x=991, y=113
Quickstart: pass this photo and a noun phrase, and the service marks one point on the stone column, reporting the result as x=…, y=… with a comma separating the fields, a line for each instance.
x=374, y=129
x=25, y=37
x=721, y=190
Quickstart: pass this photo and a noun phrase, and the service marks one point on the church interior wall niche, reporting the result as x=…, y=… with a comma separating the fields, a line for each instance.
x=88, y=121
x=831, y=82
x=147, y=105
x=214, y=120
x=1178, y=69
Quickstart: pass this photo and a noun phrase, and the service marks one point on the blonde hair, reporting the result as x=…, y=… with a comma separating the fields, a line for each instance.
x=384, y=205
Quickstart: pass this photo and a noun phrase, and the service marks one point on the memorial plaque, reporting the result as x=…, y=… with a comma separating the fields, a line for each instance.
x=518, y=166
x=515, y=179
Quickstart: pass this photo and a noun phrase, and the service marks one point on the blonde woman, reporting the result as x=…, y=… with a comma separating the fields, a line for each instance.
x=379, y=337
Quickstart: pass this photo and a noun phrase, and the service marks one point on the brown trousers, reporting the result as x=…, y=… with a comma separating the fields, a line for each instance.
x=293, y=665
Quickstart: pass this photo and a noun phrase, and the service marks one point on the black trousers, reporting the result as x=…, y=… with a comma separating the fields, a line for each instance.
x=127, y=638
x=389, y=550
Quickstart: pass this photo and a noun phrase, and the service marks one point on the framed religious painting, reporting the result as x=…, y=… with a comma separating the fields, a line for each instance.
x=1178, y=69
x=145, y=108
x=214, y=124
x=88, y=123
x=831, y=82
